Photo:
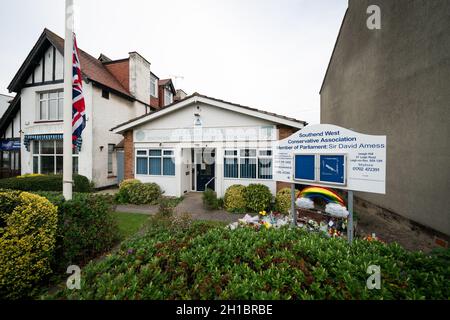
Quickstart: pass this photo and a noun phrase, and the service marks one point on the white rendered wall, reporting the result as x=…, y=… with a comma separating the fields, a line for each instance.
x=29, y=105
x=108, y=113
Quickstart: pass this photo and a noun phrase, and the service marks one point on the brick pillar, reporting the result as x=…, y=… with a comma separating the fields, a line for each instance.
x=128, y=149
x=284, y=132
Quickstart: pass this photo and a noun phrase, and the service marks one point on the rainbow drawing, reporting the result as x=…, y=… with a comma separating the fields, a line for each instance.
x=321, y=192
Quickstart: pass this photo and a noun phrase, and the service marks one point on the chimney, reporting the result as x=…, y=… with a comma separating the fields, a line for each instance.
x=180, y=95
x=139, y=77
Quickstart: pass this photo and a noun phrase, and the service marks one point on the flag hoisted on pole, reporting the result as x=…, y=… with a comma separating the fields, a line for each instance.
x=78, y=108
x=68, y=96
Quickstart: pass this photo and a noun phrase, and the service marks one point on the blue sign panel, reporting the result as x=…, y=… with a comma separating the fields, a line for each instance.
x=304, y=167
x=9, y=145
x=332, y=168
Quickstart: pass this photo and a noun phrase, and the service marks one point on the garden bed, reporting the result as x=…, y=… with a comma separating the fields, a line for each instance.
x=181, y=259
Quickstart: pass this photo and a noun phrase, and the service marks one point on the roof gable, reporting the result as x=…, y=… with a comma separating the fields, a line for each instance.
x=196, y=97
x=91, y=68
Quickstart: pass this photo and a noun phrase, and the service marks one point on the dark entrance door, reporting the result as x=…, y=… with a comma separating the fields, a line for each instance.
x=205, y=172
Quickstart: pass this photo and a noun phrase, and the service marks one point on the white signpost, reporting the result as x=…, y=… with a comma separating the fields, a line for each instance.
x=331, y=156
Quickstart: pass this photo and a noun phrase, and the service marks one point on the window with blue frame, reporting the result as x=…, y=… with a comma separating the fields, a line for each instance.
x=155, y=162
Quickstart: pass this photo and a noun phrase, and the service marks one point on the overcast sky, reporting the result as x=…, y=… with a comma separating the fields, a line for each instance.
x=270, y=55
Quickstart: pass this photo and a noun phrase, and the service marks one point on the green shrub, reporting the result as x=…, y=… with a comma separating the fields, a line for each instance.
x=166, y=207
x=199, y=261
x=283, y=200
x=257, y=197
x=210, y=201
x=44, y=183
x=123, y=196
x=127, y=182
x=143, y=193
x=234, y=199
x=86, y=228
x=28, y=225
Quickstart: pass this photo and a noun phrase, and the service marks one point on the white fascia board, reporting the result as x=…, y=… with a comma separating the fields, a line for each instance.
x=155, y=115
x=223, y=105
x=253, y=113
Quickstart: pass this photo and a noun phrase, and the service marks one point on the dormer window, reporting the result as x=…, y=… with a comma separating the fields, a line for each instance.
x=168, y=97
x=153, y=86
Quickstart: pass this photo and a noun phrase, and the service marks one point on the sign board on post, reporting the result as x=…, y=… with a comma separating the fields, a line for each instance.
x=331, y=156
x=328, y=155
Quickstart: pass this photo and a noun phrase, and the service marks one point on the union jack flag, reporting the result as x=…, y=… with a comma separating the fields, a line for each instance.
x=78, y=105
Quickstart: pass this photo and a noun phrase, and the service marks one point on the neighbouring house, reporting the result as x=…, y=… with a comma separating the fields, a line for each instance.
x=200, y=142
x=4, y=103
x=395, y=82
x=9, y=137
x=115, y=91
x=162, y=92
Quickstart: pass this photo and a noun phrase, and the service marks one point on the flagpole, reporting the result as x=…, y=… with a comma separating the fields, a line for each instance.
x=67, y=137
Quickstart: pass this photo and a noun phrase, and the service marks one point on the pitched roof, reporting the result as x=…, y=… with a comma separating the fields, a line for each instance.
x=10, y=113
x=196, y=94
x=91, y=68
x=167, y=82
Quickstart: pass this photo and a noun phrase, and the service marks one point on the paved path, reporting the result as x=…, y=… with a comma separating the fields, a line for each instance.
x=192, y=204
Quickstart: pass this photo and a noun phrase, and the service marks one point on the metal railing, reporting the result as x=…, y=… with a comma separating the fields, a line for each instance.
x=211, y=180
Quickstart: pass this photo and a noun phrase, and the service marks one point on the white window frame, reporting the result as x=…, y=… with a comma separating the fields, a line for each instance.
x=111, y=154
x=54, y=154
x=167, y=93
x=257, y=156
x=154, y=82
x=44, y=97
x=148, y=156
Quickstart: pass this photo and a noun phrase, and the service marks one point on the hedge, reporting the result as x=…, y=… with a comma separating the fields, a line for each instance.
x=233, y=200
x=283, y=200
x=135, y=192
x=257, y=197
x=44, y=183
x=28, y=225
x=86, y=228
x=197, y=261
x=123, y=195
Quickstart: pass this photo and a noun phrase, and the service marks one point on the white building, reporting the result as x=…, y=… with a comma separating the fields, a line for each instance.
x=4, y=103
x=114, y=91
x=201, y=142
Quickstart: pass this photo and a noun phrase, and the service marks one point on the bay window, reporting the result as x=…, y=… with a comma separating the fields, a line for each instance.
x=48, y=157
x=248, y=164
x=155, y=162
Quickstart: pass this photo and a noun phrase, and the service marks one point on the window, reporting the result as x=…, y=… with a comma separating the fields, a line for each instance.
x=50, y=106
x=105, y=94
x=110, y=157
x=265, y=164
x=155, y=162
x=153, y=86
x=231, y=164
x=48, y=157
x=248, y=164
x=168, y=97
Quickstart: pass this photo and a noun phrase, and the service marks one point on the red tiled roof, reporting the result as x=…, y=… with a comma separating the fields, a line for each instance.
x=163, y=82
x=91, y=67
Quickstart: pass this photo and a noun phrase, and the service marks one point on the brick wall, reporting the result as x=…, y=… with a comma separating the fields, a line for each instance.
x=128, y=149
x=284, y=132
x=121, y=71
